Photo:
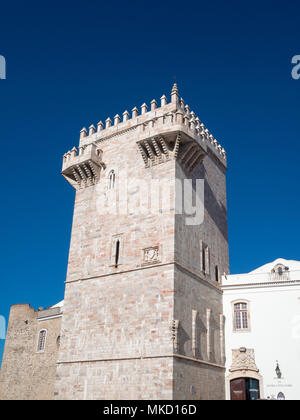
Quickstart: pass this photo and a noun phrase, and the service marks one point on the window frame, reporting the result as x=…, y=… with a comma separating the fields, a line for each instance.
x=204, y=258
x=217, y=274
x=241, y=330
x=38, y=350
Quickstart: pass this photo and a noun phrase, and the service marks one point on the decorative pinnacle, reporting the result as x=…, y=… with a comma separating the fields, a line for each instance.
x=174, y=89
x=91, y=129
x=153, y=104
x=125, y=116
x=144, y=108
x=107, y=123
x=83, y=132
x=134, y=112
x=175, y=94
x=117, y=119
x=100, y=126
x=163, y=100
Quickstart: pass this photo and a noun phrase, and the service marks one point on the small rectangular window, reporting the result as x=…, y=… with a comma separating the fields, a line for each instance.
x=42, y=340
x=217, y=274
x=204, y=258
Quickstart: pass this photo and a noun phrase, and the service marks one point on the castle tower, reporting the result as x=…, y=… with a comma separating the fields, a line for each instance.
x=143, y=306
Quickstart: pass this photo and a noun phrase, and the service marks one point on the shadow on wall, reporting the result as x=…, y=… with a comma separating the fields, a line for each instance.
x=214, y=327
x=216, y=210
x=183, y=338
x=200, y=338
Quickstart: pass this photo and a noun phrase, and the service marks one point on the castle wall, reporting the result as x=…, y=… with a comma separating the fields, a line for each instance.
x=142, y=310
x=117, y=321
x=128, y=379
x=134, y=316
x=200, y=340
x=212, y=230
x=27, y=374
x=197, y=381
x=198, y=298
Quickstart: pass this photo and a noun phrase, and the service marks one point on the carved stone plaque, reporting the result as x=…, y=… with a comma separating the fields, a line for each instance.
x=151, y=255
x=243, y=359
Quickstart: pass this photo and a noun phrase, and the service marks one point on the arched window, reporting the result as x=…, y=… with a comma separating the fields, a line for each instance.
x=111, y=179
x=42, y=340
x=241, y=316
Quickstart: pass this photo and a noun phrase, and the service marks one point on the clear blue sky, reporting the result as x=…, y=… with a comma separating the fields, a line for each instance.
x=70, y=64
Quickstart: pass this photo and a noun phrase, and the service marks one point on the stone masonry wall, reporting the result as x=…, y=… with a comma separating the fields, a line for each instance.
x=27, y=374
x=126, y=324
x=198, y=291
x=196, y=381
x=118, y=319
x=138, y=378
x=145, y=325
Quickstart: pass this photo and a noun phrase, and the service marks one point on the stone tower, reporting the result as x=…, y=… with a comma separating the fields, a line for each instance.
x=143, y=306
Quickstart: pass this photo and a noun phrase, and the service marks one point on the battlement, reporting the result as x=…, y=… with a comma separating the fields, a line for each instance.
x=82, y=167
x=175, y=113
x=171, y=130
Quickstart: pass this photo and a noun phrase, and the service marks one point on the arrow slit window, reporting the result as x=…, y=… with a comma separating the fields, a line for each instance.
x=116, y=254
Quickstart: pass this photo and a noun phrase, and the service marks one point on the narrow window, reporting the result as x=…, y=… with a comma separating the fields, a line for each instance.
x=117, y=253
x=217, y=273
x=42, y=340
x=241, y=316
x=204, y=259
x=112, y=178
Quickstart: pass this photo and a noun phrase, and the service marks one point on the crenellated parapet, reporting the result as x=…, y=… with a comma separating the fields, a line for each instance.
x=168, y=131
x=156, y=118
x=82, y=168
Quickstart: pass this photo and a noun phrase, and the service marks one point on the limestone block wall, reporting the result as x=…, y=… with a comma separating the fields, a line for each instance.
x=199, y=249
x=213, y=232
x=126, y=322
x=129, y=379
x=196, y=381
x=192, y=294
x=142, y=316
x=101, y=215
x=118, y=316
x=25, y=373
x=119, y=319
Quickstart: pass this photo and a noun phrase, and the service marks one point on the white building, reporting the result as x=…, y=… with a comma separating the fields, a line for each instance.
x=262, y=332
